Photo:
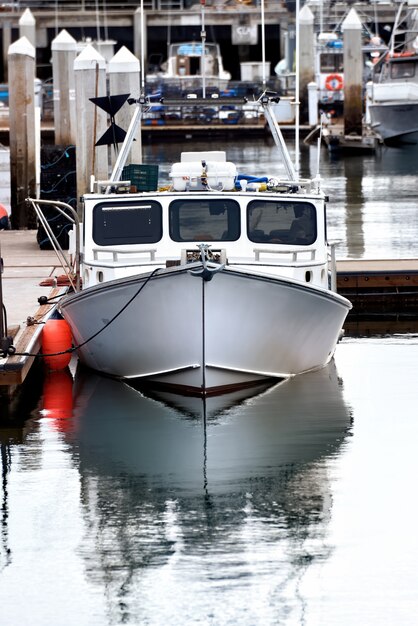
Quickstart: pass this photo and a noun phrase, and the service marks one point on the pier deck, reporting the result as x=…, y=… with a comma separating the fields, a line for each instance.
x=25, y=266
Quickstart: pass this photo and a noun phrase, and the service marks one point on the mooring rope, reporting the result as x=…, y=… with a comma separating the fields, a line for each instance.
x=108, y=323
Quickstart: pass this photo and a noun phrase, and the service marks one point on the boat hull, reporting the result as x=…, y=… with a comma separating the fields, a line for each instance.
x=395, y=121
x=205, y=336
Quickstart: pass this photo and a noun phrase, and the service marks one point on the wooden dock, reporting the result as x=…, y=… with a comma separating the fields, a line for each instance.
x=378, y=289
x=25, y=267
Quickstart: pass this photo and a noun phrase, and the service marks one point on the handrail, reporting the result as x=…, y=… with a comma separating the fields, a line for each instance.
x=333, y=265
x=295, y=252
x=73, y=219
x=116, y=251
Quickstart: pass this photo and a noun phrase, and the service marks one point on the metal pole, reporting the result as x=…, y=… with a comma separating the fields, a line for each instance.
x=263, y=45
x=2, y=329
x=202, y=56
x=6, y=343
x=297, y=91
x=142, y=87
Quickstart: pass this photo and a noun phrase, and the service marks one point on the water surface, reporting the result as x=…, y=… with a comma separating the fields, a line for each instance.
x=293, y=506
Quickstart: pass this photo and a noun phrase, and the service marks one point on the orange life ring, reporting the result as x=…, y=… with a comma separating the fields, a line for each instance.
x=334, y=82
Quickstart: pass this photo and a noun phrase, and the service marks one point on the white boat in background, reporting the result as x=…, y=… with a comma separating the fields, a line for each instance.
x=213, y=282
x=186, y=65
x=393, y=103
x=392, y=98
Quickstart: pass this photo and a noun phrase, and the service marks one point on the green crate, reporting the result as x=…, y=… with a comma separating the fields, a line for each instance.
x=143, y=176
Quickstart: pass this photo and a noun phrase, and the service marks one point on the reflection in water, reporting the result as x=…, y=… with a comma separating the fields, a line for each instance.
x=187, y=504
x=14, y=412
x=354, y=235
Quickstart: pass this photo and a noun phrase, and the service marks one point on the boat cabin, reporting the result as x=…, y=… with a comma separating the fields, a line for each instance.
x=244, y=223
x=186, y=62
x=396, y=78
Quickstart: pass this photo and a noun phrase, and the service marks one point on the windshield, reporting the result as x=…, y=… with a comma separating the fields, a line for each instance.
x=204, y=220
x=281, y=222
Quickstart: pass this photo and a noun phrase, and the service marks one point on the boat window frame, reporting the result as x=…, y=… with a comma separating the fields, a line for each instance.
x=398, y=67
x=337, y=65
x=202, y=235
x=127, y=205
x=281, y=236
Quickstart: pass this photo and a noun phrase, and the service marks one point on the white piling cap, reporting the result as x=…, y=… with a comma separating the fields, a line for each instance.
x=27, y=18
x=22, y=46
x=63, y=41
x=352, y=21
x=123, y=62
x=306, y=16
x=88, y=58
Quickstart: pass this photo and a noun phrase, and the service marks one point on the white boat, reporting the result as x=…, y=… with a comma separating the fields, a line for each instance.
x=213, y=282
x=392, y=104
x=188, y=63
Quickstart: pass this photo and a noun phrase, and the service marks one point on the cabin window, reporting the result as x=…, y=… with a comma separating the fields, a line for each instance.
x=283, y=222
x=203, y=219
x=402, y=69
x=330, y=62
x=120, y=223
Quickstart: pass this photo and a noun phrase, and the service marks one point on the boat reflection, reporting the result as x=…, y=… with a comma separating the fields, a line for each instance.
x=189, y=443
x=213, y=490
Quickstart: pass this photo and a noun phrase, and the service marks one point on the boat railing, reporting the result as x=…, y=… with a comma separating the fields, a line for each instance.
x=116, y=252
x=70, y=267
x=102, y=186
x=332, y=265
x=294, y=255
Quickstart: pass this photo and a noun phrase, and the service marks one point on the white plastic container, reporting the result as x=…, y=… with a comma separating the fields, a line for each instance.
x=187, y=175
x=212, y=155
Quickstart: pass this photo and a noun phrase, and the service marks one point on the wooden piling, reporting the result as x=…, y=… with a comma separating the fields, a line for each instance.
x=64, y=53
x=21, y=58
x=306, y=59
x=91, y=121
x=124, y=77
x=353, y=74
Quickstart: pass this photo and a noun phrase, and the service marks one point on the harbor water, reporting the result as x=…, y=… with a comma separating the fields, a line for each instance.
x=294, y=505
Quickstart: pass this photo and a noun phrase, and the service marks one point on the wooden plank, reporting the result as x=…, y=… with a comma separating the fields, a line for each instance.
x=377, y=265
x=375, y=281
x=15, y=368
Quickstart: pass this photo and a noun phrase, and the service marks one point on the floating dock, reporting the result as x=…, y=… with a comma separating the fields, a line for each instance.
x=335, y=139
x=383, y=292
x=25, y=267
x=379, y=287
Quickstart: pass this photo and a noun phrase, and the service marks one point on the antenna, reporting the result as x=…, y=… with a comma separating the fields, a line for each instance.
x=202, y=55
x=263, y=45
x=142, y=50
x=395, y=28
x=297, y=91
x=319, y=142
